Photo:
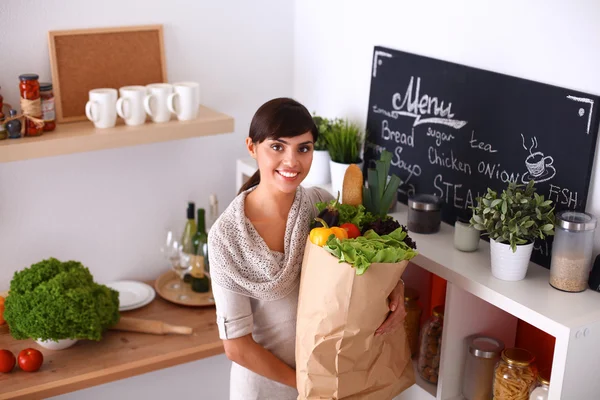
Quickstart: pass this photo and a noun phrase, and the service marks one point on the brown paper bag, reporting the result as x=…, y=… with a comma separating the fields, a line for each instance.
x=337, y=354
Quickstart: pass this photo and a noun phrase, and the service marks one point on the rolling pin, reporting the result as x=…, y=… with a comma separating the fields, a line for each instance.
x=149, y=326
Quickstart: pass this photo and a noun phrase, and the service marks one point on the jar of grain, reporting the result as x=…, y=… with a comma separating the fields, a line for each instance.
x=572, y=249
x=483, y=353
x=431, y=346
x=514, y=375
x=424, y=213
x=412, y=322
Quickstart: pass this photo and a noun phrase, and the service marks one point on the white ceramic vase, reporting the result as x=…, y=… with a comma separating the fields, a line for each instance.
x=338, y=171
x=507, y=265
x=60, y=345
x=319, y=173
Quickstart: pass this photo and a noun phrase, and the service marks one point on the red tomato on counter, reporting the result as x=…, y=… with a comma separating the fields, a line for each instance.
x=30, y=360
x=353, y=231
x=7, y=361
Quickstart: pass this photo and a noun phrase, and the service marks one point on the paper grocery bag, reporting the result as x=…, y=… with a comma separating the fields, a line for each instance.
x=337, y=354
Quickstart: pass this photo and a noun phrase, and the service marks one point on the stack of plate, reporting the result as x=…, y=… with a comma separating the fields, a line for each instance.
x=132, y=294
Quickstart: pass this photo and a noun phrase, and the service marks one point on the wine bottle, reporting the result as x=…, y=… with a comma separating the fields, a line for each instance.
x=200, y=239
x=189, y=231
x=200, y=282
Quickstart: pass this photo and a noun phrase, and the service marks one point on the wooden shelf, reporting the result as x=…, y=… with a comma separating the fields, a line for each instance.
x=80, y=137
x=118, y=355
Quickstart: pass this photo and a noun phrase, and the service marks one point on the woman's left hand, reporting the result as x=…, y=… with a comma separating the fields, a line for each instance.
x=397, y=312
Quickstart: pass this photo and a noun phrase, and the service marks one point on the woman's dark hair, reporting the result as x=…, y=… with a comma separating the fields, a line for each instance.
x=279, y=118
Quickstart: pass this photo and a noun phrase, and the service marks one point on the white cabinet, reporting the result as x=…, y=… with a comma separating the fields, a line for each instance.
x=477, y=302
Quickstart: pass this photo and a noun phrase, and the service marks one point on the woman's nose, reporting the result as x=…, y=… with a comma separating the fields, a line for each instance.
x=290, y=159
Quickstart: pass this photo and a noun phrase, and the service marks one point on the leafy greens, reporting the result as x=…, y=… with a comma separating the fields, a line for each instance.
x=357, y=215
x=371, y=248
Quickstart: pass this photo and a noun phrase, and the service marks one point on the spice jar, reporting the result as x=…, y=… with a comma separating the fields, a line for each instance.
x=514, y=375
x=424, y=213
x=3, y=133
x=412, y=322
x=13, y=127
x=430, y=346
x=572, y=249
x=483, y=353
x=48, y=110
x=541, y=390
x=30, y=103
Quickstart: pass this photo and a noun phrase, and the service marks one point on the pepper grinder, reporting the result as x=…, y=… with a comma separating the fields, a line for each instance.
x=13, y=127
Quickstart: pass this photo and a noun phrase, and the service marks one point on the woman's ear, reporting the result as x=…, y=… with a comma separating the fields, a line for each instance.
x=251, y=147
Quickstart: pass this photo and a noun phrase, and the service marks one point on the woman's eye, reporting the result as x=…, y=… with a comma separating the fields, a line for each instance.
x=304, y=149
x=277, y=147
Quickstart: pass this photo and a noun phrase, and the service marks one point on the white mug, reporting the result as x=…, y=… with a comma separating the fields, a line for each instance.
x=130, y=105
x=155, y=102
x=100, y=109
x=185, y=100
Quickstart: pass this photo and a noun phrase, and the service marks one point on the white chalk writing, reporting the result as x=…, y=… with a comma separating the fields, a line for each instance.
x=495, y=171
x=448, y=161
x=395, y=136
x=412, y=169
x=454, y=194
x=562, y=196
x=439, y=136
x=475, y=144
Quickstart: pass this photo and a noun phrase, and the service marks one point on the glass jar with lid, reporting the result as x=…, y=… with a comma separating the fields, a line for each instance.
x=424, y=213
x=483, y=353
x=543, y=386
x=29, y=88
x=515, y=375
x=48, y=109
x=412, y=322
x=572, y=250
x=431, y=345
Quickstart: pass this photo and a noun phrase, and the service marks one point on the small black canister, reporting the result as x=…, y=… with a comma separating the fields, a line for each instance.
x=424, y=213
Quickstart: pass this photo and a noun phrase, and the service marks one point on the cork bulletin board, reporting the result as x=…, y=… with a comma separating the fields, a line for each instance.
x=87, y=59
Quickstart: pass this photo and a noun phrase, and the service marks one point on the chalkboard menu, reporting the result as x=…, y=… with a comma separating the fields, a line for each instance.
x=454, y=131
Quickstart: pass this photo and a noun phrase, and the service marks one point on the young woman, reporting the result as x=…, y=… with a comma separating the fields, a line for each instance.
x=256, y=248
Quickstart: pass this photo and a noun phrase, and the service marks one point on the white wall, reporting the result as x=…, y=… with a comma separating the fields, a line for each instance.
x=108, y=208
x=555, y=42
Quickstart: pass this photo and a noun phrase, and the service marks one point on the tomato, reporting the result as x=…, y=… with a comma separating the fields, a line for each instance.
x=30, y=360
x=353, y=231
x=7, y=361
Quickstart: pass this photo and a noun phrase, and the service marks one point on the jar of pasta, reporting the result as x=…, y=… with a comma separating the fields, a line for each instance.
x=412, y=322
x=514, y=375
x=31, y=105
x=430, y=346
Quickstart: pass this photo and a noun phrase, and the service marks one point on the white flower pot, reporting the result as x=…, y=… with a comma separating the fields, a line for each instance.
x=60, y=345
x=319, y=173
x=338, y=171
x=507, y=265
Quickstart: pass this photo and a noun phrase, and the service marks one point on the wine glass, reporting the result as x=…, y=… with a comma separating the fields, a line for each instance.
x=173, y=251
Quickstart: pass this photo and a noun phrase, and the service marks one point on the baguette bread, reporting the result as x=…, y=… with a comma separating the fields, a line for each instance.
x=352, y=189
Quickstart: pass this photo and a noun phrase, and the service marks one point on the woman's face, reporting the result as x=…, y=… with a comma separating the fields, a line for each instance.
x=284, y=162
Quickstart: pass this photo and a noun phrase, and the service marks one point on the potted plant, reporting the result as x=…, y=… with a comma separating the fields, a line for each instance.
x=513, y=221
x=344, y=144
x=319, y=171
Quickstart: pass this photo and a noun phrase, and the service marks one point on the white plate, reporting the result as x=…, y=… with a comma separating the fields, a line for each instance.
x=132, y=294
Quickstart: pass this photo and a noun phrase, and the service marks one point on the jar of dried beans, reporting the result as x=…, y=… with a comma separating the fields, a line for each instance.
x=572, y=250
x=48, y=111
x=412, y=322
x=514, y=375
x=31, y=106
x=431, y=346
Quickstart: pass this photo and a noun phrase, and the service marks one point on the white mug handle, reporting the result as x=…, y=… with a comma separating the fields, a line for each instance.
x=120, y=107
x=92, y=116
x=171, y=103
x=147, y=104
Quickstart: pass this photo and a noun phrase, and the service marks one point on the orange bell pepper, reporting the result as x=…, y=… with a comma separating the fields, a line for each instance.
x=319, y=236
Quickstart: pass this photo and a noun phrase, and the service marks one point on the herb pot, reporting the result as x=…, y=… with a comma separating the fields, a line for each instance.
x=466, y=237
x=509, y=266
x=319, y=173
x=61, y=344
x=424, y=213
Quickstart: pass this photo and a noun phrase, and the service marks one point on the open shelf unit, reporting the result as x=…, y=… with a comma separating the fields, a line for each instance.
x=78, y=137
x=477, y=302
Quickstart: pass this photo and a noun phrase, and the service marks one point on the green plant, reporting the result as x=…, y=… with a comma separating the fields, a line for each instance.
x=53, y=300
x=325, y=128
x=345, y=142
x=518, y=216
x=380, y=193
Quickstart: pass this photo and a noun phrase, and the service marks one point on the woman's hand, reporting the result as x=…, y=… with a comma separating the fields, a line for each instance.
x=397, y=312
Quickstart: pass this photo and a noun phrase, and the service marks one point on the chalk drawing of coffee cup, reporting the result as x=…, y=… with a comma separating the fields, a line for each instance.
x=536, y=163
